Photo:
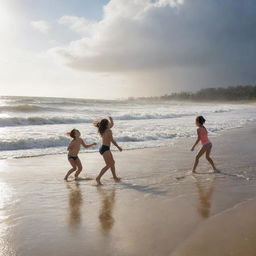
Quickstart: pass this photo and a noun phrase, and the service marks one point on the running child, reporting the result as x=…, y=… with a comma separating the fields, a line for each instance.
x=104, y=128
x=206, y=148
x=73, y=150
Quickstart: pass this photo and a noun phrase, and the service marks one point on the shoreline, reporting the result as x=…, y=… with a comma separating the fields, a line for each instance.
x=173, y=142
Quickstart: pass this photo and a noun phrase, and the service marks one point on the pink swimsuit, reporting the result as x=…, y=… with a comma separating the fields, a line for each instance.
x=203, y=135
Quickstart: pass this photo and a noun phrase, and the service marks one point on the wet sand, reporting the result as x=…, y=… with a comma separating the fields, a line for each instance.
x=157, y=209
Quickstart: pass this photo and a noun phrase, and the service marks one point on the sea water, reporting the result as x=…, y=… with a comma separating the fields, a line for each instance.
x=33, y=126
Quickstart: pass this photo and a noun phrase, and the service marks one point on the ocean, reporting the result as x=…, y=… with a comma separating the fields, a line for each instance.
x=34, y=126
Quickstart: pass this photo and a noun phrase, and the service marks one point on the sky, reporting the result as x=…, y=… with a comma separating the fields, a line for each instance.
x=112, y=49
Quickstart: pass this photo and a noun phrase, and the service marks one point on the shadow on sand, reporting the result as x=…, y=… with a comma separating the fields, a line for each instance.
x=144, y=189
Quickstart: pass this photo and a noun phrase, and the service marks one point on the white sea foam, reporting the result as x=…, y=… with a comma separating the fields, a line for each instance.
x=37, y=120
x=36, y=126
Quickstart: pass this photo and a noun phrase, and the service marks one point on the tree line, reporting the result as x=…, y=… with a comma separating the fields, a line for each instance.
x=232, y=93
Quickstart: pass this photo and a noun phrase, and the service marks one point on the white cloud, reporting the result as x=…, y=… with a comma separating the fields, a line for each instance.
x=196, y=37
x=78, y=24
x=41, y=25
x=117, y=41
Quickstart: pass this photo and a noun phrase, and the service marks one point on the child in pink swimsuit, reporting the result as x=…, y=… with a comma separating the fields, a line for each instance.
x=206, y=144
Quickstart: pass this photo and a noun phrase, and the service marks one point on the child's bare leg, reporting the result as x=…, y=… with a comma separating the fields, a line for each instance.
x=69, y=172
x=207, y=155
x=212, y=163
x=195, y=164
x=79, y=167
x=199, y=154
x=110, y=163
x=113, y=168
x=103, y=170
x=73, y=164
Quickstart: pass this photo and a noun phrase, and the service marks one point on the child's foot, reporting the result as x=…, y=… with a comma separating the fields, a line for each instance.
x=216, y=171
x=193, y=171
x=117, y=179
x=98, y=181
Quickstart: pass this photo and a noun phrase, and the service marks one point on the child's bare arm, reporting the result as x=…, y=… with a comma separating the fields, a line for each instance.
x=111, y=121
x=114, y=142
x=198, y=139
x=87, y=145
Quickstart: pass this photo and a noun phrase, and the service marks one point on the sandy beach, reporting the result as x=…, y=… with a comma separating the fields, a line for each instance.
x=164, y=85
x=158, y=209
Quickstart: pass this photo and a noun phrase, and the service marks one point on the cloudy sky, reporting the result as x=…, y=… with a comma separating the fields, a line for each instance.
x=120, y=48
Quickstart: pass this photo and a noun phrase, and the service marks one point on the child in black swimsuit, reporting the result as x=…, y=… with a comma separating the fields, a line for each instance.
x=73, y=150
x=104, y=128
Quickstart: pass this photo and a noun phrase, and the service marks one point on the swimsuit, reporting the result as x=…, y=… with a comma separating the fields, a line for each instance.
x=103, y=149
x=73, y=157
x=203, y=135
x=208, y=145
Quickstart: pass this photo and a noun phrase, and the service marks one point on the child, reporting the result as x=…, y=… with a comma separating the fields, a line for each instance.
x=73, y=150
x=104, y=128
x=206, y=144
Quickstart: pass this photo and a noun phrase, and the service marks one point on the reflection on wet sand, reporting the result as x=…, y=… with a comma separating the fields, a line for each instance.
x=75, y=203
x=6, y=194
x=106, y=210
x=205, y=191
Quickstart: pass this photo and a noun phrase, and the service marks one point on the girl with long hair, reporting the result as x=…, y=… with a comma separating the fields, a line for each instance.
x=104, y=128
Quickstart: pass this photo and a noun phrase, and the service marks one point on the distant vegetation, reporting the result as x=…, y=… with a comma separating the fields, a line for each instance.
x=233, y=93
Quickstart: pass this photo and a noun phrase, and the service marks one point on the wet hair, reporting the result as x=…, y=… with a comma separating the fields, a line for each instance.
x=72, y=133
x=200, y=120
x=102, y=125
